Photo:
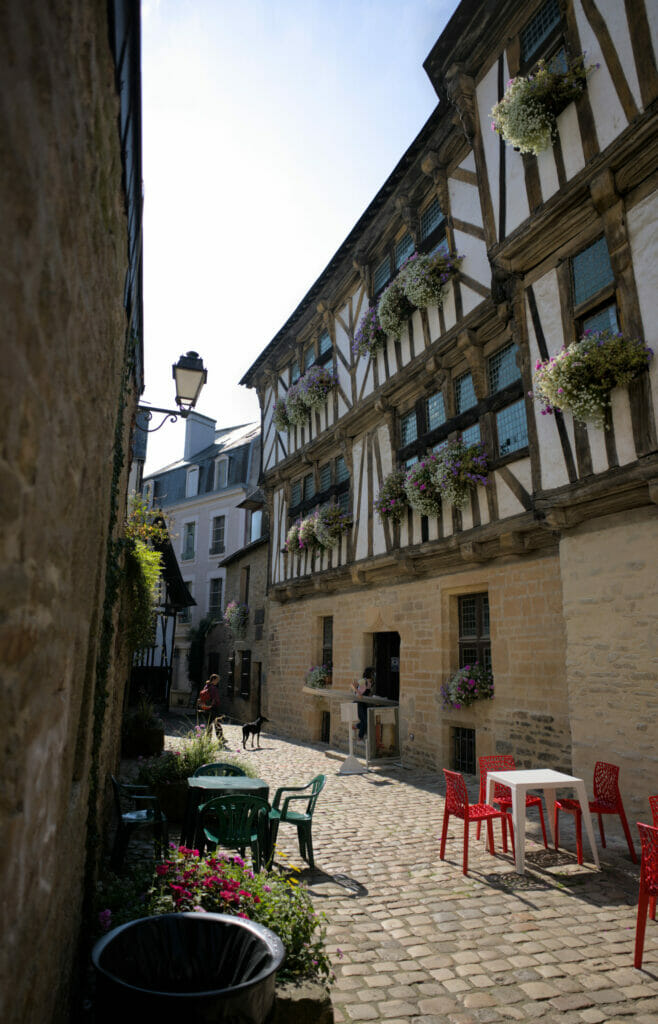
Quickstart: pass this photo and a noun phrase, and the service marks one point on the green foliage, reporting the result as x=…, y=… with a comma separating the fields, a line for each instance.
x=144, y=523
x=142, y=577
x=222, y=884
x=198, y=746
x=196, y=655
x=392, y=502
x=394, y=309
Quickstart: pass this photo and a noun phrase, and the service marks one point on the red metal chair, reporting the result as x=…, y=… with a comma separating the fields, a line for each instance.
x=653, y=804
x=607, y=800
x=648, y=886
x=502, y=795
x=457, y=804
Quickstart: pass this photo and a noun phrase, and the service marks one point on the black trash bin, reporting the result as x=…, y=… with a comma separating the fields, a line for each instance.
x=197, y=968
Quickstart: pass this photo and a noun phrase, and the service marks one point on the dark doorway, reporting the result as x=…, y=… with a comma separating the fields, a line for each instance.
x=386, y=657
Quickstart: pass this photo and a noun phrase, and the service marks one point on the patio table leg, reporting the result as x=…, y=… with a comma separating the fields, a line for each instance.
x=549, y=800
x=581, y=793
x=518, y=822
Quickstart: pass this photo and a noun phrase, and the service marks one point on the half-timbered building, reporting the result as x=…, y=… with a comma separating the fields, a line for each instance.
x=548, y=573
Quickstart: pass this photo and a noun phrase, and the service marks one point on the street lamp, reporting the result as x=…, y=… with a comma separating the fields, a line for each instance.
x=190, y=376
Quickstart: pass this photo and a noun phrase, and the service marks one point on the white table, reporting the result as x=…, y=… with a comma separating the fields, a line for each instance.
x=519, y=783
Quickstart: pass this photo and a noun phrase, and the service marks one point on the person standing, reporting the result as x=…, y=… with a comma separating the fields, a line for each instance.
x=364, y=687
x=209, y=701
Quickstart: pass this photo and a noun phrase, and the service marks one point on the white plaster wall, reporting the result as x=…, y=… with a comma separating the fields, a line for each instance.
x=405, y=345
x=465, y=201
x=572, y=143
x=517, y=193
x=433, y=320
x=482, y=502
x=469, y=163
x=345, y=382
x=608, y=113
x=553, y=470
x=621, y=418
x=547, y=173
x=467, y=517
x=508, y=503
x=363, y=368
x=419, y=335
x=476, y=263
x=652, y=16
x=449, y=314
x=487, y=97
x=642, y=222
x=360, y=511
x=614, y=15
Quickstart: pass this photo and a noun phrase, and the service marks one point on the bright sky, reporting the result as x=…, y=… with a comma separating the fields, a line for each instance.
x=268, y=126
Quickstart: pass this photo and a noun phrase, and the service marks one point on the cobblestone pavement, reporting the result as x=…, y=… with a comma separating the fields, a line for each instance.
x=422, y=944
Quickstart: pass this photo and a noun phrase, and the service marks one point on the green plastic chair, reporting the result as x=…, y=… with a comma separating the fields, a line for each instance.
x=144, y=813
x=236, y=821
x=302, y=818
x=221, y=768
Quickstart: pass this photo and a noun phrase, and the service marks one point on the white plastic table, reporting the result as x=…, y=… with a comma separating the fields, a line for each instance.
x=519, y=783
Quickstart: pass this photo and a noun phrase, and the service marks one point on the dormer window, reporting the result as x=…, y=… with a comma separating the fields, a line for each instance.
x=221, y=473
x=192, y=482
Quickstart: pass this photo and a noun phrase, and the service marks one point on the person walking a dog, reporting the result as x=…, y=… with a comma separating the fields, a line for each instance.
x=209, y=698
x=364, y=688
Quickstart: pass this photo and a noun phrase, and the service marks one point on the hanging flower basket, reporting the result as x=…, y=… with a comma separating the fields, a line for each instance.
x=236, y=617
x=292, y=538
x=421, y=488
x=472, y=683
x=392, y=502
x=308, y=538
x=424, y=278
x=296, y=407
x=280, y=416
x=394, y=309
x=315, y=385
x=370, y=336
x=318, y=677
x=526, y=117
x=458, y=469
x=580, y=377
x=330, y=525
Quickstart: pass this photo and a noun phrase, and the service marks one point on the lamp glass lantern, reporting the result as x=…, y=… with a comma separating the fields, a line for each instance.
x=190, y=376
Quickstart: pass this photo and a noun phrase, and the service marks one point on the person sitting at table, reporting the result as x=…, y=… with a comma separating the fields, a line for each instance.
x=364, y=687
x=209, y=698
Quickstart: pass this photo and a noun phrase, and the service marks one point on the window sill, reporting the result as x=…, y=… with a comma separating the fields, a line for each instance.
x=217, y=551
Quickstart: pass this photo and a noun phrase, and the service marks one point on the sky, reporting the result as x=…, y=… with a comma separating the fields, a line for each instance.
x=268, y=127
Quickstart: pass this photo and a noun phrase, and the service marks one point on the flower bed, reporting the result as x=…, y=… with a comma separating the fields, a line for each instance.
x=526, y=117
x=330, y=525
x=236, y=617
x=471, y=683
x=459, y=468
x=370, y=336
x=421, y=488
x=424, y=278
x=318, y=677
x=223, y=884
x=394, y=309
x=392, y=502
x=198, y=746
x=580, y=377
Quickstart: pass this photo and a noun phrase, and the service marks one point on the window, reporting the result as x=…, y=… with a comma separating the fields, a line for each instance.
x=408, y=428
x=245, y=674
x=294, y=373
x=472, y=434
x=158, y=490
x=256, y=525
x=503, y=369
x=512, y=428
x=595, y=306
x=230, y=675
x=221, y=473
x=430, y=219
x=474, y=638
x=463, y=750
x=541, y=37
x=192, y=482
x=382, y=274
x=244, y=585
x=185, y=614
x=435, y=410
x=215, y=598
x=343, y=501
x=342, y=472
x=217, y=539
x=309, y=357
x=327, y=640
x=296, y=493
x=309, y=486
x=465, y=397
x=325, y=348
x=189, y=536
x=325, y=476
x=403, y=249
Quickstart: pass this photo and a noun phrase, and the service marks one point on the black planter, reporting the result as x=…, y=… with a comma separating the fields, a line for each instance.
x=197, y=968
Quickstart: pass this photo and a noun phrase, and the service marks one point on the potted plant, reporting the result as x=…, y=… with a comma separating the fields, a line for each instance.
x=296, y=407
x=580, y=377
x=292, y=537
x=280, y=417
x=370, y=336
x=318, y=677
x=392, y=501
x=235, y=617
x=526, y=117
x=457, y=469
x=394, y=309
x=471, y=683
x=420, y=486
x=424, y=278
x=315, y=385
x=330, y=525
x=308, y=538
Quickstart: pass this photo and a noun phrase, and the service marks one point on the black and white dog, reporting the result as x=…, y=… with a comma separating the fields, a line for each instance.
x=253, y=729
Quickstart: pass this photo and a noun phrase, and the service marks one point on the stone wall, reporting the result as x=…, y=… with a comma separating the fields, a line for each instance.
x=61, y=291
x=528, y=716
x=611, y=614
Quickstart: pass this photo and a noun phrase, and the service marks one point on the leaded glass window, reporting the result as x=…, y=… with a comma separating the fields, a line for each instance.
x=539, y=28
x=430, y=219
x=592, y=271
x=512, y=428
x=325, y=476
x=465, y=397
x=309, y=486
x=408, y=428
x=604, y=320
x=325, y=342
x=436, y=411
x=295, y=374
x=309, y=357
x=342, y=472
x=503, y=369
x=404, y=248
x=474, y=638
x=382, y=274
x=472, y=434
x=296, y=493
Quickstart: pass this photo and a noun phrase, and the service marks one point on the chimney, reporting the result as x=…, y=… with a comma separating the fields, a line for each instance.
x=199, y=433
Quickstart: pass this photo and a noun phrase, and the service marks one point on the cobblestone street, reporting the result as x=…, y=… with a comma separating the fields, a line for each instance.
x=421, y=943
